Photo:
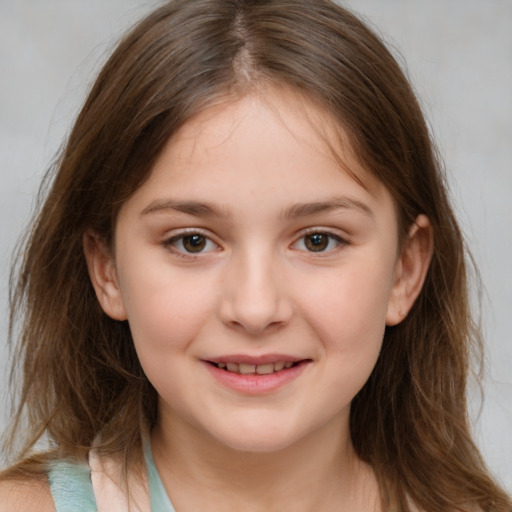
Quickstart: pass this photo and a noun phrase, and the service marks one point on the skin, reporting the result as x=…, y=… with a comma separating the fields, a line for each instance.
x=257, y=185
x=30, y=496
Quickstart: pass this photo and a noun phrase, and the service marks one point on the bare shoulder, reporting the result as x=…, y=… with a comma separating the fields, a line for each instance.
x=25, y=496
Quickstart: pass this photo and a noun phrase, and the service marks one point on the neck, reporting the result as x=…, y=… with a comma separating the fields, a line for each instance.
x=321, y=472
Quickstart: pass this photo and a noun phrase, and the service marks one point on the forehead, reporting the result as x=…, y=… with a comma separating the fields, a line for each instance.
x=267, y=145
x=270, y=111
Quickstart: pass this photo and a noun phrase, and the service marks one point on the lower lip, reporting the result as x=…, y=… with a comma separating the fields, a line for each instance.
x=255, y=384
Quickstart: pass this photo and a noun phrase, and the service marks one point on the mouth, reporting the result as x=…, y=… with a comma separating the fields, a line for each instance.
x=256, y=369
x=256, y=375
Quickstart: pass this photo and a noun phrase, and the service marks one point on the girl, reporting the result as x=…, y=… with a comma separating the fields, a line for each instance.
x=245, y=288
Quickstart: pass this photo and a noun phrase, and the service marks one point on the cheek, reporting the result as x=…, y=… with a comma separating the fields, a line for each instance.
x=350, y=323
x=165, y=311
x=350, y=303
x=348, y=316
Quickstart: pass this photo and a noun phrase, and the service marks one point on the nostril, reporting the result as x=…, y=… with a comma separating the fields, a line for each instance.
x=256, y=328
x=254, y=308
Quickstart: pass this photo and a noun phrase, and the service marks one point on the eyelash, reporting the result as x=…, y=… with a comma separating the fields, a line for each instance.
x=331, y=237
x=171, y=243
x=204, y=241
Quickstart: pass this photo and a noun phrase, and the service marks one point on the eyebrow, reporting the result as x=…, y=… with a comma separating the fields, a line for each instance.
x=205, y=209
x=336, y=203
x=196, y=208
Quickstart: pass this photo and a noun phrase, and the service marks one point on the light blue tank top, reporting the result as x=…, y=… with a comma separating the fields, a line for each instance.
x=72, y=491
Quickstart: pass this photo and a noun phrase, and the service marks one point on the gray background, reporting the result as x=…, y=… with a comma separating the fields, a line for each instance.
x=459, y=58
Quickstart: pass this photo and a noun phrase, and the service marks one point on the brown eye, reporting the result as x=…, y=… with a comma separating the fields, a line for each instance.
x=317, y=242
x=194, y=243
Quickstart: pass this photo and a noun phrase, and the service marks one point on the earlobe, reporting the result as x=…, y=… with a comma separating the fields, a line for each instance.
x=411, y=270
x=102, y=273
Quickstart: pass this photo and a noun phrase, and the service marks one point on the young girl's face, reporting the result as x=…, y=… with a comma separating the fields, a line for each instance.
x=257, y=276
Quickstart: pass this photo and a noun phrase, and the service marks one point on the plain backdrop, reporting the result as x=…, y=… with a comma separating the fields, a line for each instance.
x=458, y=54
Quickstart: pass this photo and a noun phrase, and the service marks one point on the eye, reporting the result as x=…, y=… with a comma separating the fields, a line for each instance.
x=193, y=243
x=318, y=241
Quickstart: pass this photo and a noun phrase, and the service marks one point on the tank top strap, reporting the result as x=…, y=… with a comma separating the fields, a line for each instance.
x=71, y=487
x=160, y=501
x=100, y=486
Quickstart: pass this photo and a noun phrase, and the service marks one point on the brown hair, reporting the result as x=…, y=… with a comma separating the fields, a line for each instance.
x=80, y=373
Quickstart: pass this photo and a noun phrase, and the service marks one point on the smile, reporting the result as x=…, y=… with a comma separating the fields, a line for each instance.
x=254, y=369
x=256, y=375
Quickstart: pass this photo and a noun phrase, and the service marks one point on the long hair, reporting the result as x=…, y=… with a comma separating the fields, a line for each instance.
x=79, y=370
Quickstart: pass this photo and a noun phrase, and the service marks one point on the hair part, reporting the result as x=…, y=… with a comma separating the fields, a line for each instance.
x=82, y=383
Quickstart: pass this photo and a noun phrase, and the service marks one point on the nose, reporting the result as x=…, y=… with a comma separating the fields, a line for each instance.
x=254, y=297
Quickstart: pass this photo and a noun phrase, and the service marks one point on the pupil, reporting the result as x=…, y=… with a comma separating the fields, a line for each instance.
x=194, y=243
x=317, y=242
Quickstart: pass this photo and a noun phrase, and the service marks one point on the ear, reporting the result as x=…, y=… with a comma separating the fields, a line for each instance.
x=411, y=269
x=102, y=272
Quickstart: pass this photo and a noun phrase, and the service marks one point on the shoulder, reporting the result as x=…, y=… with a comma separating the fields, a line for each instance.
x=26, y=496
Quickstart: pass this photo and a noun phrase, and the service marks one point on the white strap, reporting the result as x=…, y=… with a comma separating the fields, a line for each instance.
x=110, y=489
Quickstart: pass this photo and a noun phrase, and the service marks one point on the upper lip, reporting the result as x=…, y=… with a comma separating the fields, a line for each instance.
x=255, y=360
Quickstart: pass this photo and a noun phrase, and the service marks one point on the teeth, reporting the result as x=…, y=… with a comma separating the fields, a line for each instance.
x=246, y=369
x=233, y=367
x=251, y=369
x=265, y=369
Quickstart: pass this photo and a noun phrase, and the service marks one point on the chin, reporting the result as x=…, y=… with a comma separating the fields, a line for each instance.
x=259, y=441
x=258, y=446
